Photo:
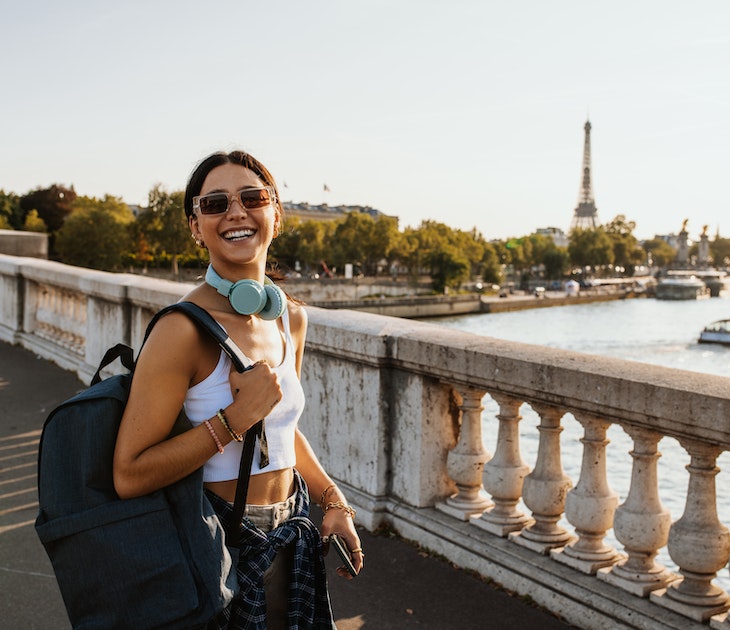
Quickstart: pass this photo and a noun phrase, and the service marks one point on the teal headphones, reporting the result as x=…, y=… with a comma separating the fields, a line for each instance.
x=249, y=297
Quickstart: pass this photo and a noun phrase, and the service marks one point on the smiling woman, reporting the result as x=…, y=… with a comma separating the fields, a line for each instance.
x=233, y=210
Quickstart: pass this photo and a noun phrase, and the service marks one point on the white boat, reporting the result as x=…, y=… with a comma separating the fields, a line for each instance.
x=681, y=288
x=717, y=332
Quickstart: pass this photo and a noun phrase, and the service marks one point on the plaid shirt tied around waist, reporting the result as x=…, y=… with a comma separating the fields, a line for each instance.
x=308, y=600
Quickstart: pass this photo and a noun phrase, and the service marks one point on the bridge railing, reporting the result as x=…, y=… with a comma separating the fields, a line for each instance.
x=395, y=409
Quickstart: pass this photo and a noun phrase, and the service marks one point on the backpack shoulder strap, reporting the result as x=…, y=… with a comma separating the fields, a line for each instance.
x=121, y=351
x=205, y=322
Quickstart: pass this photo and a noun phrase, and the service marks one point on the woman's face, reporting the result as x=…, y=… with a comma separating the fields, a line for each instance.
x=237, y=236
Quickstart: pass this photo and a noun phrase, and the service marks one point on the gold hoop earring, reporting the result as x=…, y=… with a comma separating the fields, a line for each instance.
x=198, y=241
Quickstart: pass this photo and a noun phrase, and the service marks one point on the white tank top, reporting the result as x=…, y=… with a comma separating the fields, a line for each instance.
x=204, y=399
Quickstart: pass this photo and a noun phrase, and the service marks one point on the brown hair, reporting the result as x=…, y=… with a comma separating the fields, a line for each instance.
x=205, y=166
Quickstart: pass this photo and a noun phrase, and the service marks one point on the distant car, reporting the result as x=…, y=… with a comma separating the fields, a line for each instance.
x=556, y=285
x=539, y=292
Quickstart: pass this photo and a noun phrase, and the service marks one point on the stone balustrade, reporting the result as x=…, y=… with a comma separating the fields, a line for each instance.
x=396, y=411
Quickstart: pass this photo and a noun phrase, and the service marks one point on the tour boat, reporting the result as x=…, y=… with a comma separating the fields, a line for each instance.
x=681, y=288
x=717, y=332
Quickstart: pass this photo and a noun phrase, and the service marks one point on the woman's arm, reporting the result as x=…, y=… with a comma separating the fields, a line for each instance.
x=321, y=487
x=175, y=356
x=337, y=519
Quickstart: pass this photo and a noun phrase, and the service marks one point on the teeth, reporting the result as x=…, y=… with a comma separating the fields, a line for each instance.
x=239, y=234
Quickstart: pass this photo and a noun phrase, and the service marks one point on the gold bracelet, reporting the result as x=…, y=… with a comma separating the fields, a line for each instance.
x=350, y=511
x=224, y=421
x=324, y=495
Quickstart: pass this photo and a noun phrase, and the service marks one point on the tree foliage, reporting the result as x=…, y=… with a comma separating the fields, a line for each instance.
x=449, y=267
x=33, y=223
x=661, y=252
x=720, y=250
x=302, y=245
x=53, y=204
x=95, y=234
x=165, y=230
x=590, y=248
x=10, y=211
x=104, y=234
x=627, y=253
x=557, y=262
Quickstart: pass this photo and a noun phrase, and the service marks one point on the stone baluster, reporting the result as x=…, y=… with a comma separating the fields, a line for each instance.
x=641, y=523
x=504, y=473
x=590, y=506
x=466, y=461
x=545, y=488
x=698, y=542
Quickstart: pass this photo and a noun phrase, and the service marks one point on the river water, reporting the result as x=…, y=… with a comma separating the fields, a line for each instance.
x=660, y=332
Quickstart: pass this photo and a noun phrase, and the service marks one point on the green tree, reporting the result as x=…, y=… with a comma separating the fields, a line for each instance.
x=471, y=244
x=590, y=248
x=33, y=223
x=720, y=249
x=449, y=256
x=539, y=246
x=419, y=245
x=354, y=242
x=386, y=238
x=284, y=249
x=519, y=251
x=10, y=211
x=627, y=252
x=302, y=244
x=406, y=252
x=95, y=234
x=557, y=262
x=661, y=252
x=449, y=268
x=315, y=243
x=53, y=204
x=141, y=252
x=168, y=232
x=489, y=266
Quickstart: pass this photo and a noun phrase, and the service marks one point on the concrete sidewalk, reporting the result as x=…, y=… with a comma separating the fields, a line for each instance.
x=400, y=587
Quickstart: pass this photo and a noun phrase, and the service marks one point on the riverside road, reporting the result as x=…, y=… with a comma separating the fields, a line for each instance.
x=401, y=587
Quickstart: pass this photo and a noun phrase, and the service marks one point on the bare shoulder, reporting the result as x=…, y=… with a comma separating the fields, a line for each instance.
x=175, y=343
x=175, y=326
x=297, y=319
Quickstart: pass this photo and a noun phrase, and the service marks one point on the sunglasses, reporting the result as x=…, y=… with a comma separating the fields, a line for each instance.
x=250, y=199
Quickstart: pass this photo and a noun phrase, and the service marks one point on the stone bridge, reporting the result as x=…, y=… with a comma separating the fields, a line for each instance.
x=396, y=411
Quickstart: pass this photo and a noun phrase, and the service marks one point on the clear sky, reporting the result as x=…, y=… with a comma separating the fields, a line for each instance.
x=466, y=112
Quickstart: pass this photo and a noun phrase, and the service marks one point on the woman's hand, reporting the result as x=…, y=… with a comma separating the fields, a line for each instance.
x=338, y=521
x=255, y=393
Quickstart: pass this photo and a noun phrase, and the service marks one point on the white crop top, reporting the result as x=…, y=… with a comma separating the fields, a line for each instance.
x=204, y=399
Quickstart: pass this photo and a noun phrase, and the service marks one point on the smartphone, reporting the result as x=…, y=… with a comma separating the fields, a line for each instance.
x=343, y=552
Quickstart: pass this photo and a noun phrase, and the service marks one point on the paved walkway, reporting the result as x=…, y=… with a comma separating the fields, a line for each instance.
x=400, y=588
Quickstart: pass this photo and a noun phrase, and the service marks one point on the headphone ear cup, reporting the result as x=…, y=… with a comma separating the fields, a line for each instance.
x=275, y=303
x=247, y=297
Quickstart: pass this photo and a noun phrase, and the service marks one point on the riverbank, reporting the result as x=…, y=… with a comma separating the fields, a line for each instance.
x=426, y=306
x=415, y=300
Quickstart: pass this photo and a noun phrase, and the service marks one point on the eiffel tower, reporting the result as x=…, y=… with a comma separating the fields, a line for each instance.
x=585, y=216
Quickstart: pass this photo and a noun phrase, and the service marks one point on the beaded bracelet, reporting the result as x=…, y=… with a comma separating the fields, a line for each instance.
x=214, y=435
x=350, y=511
x=324, y=494
x=224, y=421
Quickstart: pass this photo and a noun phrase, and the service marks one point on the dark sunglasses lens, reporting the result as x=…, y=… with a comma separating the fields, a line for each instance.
x=213, y=204
x=255, y=198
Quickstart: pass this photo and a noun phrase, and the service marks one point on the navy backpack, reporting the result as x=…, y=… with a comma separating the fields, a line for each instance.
x=158, y=561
